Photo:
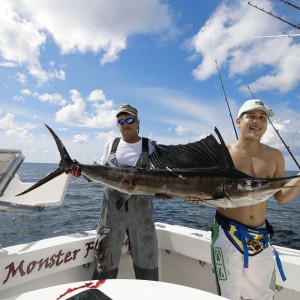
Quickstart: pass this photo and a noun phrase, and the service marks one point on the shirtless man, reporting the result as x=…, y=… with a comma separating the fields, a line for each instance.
x=243, y=259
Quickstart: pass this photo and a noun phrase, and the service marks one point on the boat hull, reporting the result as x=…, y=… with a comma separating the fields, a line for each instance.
x=184, y=258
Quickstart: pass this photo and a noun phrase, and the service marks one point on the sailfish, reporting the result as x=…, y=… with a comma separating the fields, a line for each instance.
x=203, y=171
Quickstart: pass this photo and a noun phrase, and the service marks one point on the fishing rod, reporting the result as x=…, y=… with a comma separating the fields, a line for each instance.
x=226, y=101
x=291, y=4
x=277, y=131
x=277, y=17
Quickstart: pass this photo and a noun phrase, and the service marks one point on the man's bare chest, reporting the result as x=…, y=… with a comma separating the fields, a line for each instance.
x=256, y=166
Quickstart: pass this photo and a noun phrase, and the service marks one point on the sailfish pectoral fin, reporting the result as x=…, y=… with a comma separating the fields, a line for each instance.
x=49, y=177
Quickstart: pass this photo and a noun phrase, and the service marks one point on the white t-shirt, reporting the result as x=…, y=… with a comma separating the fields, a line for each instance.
x=127, y=153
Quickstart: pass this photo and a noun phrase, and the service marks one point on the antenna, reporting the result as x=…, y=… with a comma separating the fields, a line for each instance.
x=277, y=131
x=277, y=17
x=287, y=35
x=227, y=101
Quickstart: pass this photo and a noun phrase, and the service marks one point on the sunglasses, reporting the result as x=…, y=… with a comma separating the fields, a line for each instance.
x=128, y=121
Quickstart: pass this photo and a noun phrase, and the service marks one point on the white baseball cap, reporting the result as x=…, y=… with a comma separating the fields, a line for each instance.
x=255, y=104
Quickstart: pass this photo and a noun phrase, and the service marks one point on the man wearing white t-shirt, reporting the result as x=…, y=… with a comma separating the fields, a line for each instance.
x=123, y=213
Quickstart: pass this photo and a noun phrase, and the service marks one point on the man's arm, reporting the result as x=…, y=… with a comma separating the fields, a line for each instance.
x=286, y=194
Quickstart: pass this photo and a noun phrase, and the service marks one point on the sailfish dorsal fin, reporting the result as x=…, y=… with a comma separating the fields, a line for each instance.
x=205, y=153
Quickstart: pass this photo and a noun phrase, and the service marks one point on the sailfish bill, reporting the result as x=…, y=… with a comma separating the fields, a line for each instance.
x=203, y=171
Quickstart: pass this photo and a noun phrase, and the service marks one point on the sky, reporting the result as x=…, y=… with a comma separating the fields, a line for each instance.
x=71, y=63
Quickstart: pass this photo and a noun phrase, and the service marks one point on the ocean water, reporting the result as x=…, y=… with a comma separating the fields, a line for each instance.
x=82, y=208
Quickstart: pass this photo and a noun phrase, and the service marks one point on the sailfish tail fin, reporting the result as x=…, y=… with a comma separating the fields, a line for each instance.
x=65, y=159
x=65, y=164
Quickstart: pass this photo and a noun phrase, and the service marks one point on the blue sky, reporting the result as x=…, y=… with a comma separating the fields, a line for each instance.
x=71, y=63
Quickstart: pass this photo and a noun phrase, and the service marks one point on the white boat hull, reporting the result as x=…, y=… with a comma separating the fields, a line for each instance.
x=51, y=193
x=184, y=259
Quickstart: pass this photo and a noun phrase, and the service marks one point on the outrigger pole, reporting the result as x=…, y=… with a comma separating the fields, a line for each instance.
x=291, y=4
x=227, y=101
x=277, y=17
x=277, y=131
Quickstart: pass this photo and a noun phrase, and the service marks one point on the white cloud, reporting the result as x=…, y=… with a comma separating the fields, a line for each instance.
x=105, y=136
x=44, y=76
x=96, y=95
x=80, y=138
x=26, y=92
x=22, y=78
x=226, y=37
x=96, y=26
x=8, y=64
x=285, y=75
x=181, y=130
x=7, y=123
x=52, y=98
x=193, y=112
x=287, y=124
x=18, y=98
x=20, y=39
x=80, y=113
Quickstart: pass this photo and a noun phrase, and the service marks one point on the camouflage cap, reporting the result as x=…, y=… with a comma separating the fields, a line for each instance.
x=127, y=109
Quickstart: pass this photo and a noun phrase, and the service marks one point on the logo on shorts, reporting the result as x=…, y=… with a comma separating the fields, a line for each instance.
x=219, y=264
x=272, y=285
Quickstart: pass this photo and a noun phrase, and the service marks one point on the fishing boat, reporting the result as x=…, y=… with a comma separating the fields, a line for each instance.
x=61, y=267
